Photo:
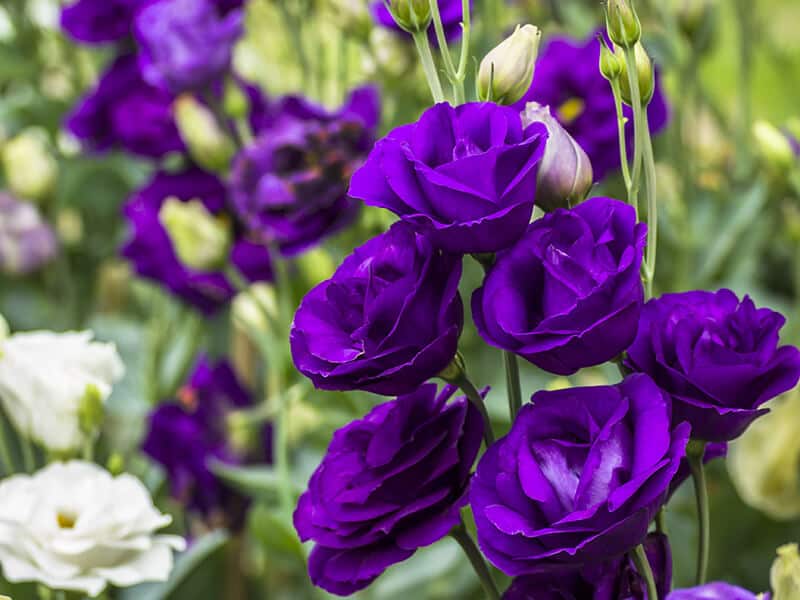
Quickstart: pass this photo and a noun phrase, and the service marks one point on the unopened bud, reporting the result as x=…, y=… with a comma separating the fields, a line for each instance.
x=506, y=72
x=235, y=101
x=90, y=409
x=255, y=309
x=412, y=16
x=115, y=464
x=610, y=63
x=30, y=169
x=773, y=147
x=565, y=171
x=784, y=575
x=208, y=145
x=622, y=23
x=201, y=240
x=645, y=75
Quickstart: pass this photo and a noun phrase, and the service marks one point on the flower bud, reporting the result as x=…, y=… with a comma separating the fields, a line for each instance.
x=201, y=240
x=115, y=464
x=235, y=102
x=610, y=63
x=565, y=172
x=622, y=23
x=773, y=147
x=412, y=16
x=30, y=169
x=645, y=73
x=784, y=576
x=208, y=145
x=506, y=72
x=254, y=309
x=90, y=410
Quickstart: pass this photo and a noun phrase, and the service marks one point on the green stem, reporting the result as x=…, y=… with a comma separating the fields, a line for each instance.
x=623, y=146
x=297, y=39
x=661, y=520
x=455, y=76
x=428, y=66
x=469, y=389
x=639, y=557
x=744, y=18
x=512, y=383
x=5, y=452
x=28, y=459
x=459, y=534
x=636, y=105
x=694, y=454
x=652, y=207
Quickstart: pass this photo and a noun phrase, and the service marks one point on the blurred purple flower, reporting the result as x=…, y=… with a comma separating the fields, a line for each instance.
x=152, y=254
x=27, y=242
x=717, y=590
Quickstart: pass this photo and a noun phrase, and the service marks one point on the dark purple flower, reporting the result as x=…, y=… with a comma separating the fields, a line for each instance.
x=465, y=176
x=27, y=242
x=151, y=251
x=125, y=112
x=568, y=80
x=617, y=579
x=185, y=44
x=449, y=10
x=290, y=185
x=578, y=478
x=390, y=483
x=717, y=590
x=717, y=357
x=568, y=294
x=186, y=435
x=388, y=319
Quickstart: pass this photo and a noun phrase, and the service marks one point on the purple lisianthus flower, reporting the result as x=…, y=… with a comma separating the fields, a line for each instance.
x=464, y=176
x=717, y=357
x=717, y=590
x=125, y=112
x=578, y=478
x=568, y=80
x=389, y=484
x=290, y=185
x=186, y=435
x=99, y=21
x=450, y=11
x=152, y=253
x=617, y=579
x=568, y=294
x=185, y=44
x=27, y=241
x=388, y=319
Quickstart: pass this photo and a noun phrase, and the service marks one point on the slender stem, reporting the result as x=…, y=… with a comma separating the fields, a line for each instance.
x=466, y=386
x=466, y=20
x=639, y=557
x=5, y=452
x=455, y=76
x=297, y=39
x=623, y=146
x=441, y=39
x=459, y=534
x=636, y=105
x=744, y=18
x=426, y=58
x=512, y=383
x=652, y=207
x=28, y=459
x=695, y=456
x=661, y=520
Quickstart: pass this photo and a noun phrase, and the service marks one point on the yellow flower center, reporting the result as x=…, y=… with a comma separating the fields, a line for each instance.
x=66, y=520
x=570, y=110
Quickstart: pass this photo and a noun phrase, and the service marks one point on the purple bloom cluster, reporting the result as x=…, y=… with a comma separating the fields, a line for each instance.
x=390, y=483
x=184, y=436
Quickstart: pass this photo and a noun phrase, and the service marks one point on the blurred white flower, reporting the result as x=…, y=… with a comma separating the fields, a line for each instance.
x=74, y=527
x=48, y=381
x=30, y=169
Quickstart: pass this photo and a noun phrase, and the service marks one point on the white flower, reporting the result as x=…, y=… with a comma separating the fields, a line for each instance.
x=44, y=377
x=74, y=527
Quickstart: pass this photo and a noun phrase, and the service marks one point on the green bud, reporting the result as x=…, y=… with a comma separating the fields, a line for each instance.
x=201, y=240
x=622, y=23
x=784, y=576
x=773, y=147
x=115, y=464
x=610, y=64
x=645, y=73
x=90, y=410
x=254, y=309
x=208, y=145
x=506, y=72
x=31, y=171
x=412, y=16
x=235, y=102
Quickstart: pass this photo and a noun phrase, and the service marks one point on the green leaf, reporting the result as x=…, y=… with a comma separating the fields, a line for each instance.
x=276, y=534
x=257, y=482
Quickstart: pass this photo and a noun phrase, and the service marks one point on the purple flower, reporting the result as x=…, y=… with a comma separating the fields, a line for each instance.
x=125, y=112
x=27, y=242
x=186, y=435
x=568, y=294
x=717, y=590
x=568, y=80
x=387, y=320
x=449, y=10
x=718, y=357
x=390, y=483
x=617, y=579
x=465, y=176
x=151, y=251
x=578, y=478
x=290, y=185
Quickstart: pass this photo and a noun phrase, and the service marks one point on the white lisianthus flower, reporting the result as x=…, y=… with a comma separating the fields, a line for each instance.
x=48, y=380
x=74, y=527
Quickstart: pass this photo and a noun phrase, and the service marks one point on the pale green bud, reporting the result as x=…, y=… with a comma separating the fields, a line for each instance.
x=31, y=171
x=90, y=409
x=201, y=240
x=773, y=147
x=506, y=72
x=208, y=144
x=254, y=309
x=412, y=16
x=645, y=73
x=784, y=576
x=622, y=23
x=115, y=464
x=235, y=102
x=610, y=63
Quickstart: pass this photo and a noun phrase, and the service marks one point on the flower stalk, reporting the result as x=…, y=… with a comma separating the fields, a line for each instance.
x=512, y=383
x=428, y=65
x=639, y=557
x=694, y=453
x=455, y=75
x=460, y=534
